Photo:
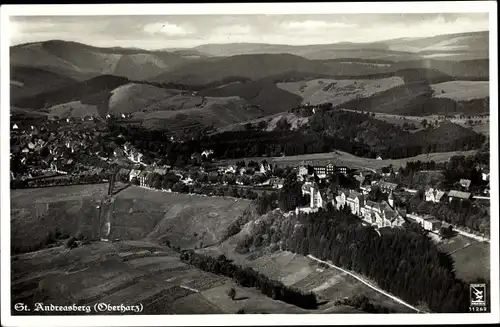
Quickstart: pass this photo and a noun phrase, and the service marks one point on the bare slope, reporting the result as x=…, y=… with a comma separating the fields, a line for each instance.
x=338, y=91
x=133, y=97
x=135, y=214
x=462, y=90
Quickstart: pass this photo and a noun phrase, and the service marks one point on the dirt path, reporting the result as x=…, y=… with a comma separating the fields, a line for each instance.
x=459, y=249
x=365, y=282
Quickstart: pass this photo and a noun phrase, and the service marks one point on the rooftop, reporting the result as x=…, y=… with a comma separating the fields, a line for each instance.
x=459, y=194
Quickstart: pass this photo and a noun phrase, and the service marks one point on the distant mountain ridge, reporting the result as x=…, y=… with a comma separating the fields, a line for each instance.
x=472, y=45
x=74, y=58
x=240, y=81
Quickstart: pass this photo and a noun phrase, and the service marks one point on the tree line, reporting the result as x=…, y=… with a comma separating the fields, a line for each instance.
x=247, y=277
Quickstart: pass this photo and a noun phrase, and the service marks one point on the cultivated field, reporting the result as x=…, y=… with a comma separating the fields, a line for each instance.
x=338, y=91
x=154, y=277
x=462, y=90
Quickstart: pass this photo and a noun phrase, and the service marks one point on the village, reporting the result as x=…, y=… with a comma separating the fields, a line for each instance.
x=44, y=156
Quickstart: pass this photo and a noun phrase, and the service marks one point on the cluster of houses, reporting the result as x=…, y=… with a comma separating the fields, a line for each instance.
x=130, y=153
x=43, y=148
x=379, y=214
x=383, y=214
x=436, y=195
x=143, y=175
x=38, y=149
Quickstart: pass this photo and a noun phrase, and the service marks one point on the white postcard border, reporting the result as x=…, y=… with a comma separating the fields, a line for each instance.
x=233, y=9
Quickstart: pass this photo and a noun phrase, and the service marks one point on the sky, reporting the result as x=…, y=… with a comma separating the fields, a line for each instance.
x=182, y=31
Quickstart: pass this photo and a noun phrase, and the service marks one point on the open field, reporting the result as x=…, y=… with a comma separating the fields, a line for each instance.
x=473, y=262
x=472, y=258
x=99, y=272
x=462, y=90
x=300, y=272
x=135, y=213
x=344, y=158
x=338, y=91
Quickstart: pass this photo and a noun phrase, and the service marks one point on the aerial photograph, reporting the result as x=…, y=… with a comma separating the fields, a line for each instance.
x=249, y=164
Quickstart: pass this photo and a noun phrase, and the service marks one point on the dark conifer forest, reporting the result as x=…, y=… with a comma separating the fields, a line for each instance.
x=404, y=262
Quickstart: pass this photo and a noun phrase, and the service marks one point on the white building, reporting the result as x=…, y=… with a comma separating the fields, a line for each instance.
x=231, y=169
x=340, y=200
x=207, y=153
x=434, y=195
x=303, y=171
x=381, y=214
x=428, y=222
x=485, y=174
x=318, y=198
x=264, y=168
x=134, y=173
x=355, y=201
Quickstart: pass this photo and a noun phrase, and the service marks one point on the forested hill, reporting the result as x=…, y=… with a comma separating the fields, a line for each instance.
x=403, y=262
x=391, y=140
x=355, y=133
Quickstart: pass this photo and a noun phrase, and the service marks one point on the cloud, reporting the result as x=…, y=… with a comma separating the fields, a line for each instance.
x=232, y=30
x=315, y=25
x=192, y=30
x=167, y=29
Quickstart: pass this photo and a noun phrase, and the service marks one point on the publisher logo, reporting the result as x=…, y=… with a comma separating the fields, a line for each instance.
x=478, y=295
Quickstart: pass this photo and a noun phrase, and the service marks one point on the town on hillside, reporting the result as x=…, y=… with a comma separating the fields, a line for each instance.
x=67, y=152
